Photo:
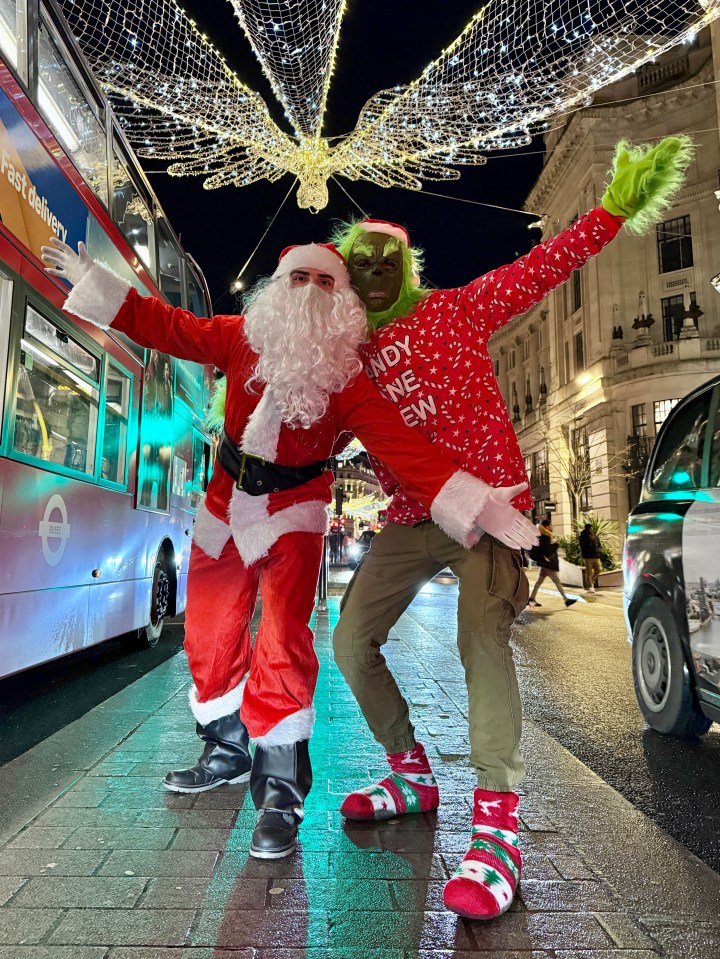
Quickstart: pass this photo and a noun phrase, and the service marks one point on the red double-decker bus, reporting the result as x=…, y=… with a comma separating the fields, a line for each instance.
x=103, y=454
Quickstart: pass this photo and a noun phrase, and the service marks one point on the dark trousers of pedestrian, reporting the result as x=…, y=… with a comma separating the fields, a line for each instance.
x=552, y=575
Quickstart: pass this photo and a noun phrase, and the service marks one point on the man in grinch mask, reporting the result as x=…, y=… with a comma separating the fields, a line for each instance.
x=428, y=355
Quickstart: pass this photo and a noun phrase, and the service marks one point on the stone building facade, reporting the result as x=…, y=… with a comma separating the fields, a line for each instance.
x=590, y=373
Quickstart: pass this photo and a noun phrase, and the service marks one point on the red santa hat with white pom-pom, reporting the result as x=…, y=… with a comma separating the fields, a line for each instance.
x=390, y=229
x=314, y=256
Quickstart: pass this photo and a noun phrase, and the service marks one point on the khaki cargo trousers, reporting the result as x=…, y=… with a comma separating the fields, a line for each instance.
x=493, y=589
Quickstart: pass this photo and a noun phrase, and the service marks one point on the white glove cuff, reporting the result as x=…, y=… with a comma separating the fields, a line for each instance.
x=458, y=504
x=98, y=297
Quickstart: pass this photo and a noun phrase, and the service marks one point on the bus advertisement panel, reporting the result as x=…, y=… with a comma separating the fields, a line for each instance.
x=103, y=453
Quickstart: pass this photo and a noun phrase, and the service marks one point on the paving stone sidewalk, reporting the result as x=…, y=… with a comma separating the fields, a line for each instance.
x=97, y=861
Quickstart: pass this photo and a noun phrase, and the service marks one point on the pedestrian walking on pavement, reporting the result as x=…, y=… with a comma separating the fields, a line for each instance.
x=545, y=555
x=590, y=550
x=295, y=384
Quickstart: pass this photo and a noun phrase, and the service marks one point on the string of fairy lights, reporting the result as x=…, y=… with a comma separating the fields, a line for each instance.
x=516, y=66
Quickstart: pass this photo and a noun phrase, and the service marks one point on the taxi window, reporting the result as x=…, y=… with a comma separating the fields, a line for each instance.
x=715, y=455
x=678, y=463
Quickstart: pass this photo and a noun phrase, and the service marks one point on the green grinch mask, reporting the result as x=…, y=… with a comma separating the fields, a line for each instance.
x=375, y=264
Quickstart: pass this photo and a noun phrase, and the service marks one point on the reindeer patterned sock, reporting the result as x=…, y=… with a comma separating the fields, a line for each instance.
x=485, y=882
x=409, y=788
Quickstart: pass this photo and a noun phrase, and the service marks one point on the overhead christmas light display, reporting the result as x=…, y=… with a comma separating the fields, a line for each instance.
x=517, y=66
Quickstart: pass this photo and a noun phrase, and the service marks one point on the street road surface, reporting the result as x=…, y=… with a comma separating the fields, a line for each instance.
x=576, y=683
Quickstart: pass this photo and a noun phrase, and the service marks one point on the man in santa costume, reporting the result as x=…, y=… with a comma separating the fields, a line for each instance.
x=294, y=385
x=429, y=356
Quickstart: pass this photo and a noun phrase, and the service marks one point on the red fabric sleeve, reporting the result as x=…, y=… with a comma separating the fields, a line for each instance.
x=498, y=296
x=423, y=469
x=158, y=326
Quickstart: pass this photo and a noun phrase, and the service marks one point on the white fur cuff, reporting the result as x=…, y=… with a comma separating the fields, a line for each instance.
x=292, y=729
x=209, y=532
x=98, y=297
x=214, y=709
x=456, y=506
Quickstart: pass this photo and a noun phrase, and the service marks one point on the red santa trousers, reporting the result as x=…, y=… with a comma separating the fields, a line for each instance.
x=275, y=679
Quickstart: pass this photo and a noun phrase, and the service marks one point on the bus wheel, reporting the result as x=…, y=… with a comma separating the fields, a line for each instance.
x=160, y=599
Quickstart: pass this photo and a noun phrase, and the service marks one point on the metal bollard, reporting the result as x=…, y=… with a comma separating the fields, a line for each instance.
x=322, y=590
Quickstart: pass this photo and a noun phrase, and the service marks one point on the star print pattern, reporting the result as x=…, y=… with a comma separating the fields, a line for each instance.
x=485, y=882
x=410, y=788
x=435, y=366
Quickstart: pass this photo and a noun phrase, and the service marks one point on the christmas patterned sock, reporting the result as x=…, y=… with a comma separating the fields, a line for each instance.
x=410, y=787
x=485, y=882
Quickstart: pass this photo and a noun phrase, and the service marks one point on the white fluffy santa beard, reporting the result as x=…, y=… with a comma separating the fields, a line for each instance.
x=307, y=341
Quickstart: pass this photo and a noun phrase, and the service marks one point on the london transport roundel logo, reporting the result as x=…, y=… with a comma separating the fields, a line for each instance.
x=54, y=531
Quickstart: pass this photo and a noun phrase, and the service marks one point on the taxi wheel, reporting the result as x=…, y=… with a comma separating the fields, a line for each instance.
x=160, y=599
x=663, y=685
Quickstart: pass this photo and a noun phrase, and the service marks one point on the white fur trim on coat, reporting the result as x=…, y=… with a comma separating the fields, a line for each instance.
x=98, y=297
x=262, y=430
x=456, y=506
x=214, y=709
x=292, y=729
x=209, y=532
x=255, y=530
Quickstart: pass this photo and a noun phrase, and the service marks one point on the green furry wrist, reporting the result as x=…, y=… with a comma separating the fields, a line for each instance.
x=612, y=207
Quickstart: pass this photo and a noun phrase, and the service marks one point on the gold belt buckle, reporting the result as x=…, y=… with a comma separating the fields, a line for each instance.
x=243, y=463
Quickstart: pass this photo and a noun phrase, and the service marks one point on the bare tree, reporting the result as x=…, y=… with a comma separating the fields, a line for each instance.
x=577, y=451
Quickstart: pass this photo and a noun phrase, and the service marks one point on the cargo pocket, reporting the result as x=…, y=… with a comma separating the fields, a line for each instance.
x=508, y=580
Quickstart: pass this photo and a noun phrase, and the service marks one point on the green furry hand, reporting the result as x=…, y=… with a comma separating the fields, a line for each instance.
x=645, y=179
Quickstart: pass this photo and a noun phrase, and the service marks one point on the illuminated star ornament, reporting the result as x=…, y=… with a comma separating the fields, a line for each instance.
x=516, y=67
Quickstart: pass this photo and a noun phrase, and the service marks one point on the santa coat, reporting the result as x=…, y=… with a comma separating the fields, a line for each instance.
x=435, y=366
x=253, y=422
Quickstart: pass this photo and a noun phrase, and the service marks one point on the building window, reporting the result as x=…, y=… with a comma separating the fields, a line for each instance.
x=661, y=408
x=674, y=244
x=639, y=420
x=568, y=372
x=496, y=367
x=576, y=290
x=511, y=360
x=673, y=315
x=579, y=353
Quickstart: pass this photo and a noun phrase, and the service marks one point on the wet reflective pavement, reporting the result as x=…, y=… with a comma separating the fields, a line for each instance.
x=99, y=862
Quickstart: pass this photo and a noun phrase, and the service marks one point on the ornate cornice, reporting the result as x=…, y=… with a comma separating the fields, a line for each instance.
x=579, y=132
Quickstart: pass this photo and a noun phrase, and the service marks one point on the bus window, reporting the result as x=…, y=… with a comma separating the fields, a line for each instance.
x=56, y=410
x=13, y=33
x=156, y=432
x=70, y=116
x=201, y=459
x=189, y=384
x=169, y=265
x=133, y=216
x=196, y=296
x=115, y=431
x=6, y=294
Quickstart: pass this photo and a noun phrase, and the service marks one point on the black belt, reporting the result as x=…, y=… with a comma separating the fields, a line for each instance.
x=254, y=475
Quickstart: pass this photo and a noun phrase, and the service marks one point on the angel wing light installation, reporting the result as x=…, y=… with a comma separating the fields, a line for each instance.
x=517, y=65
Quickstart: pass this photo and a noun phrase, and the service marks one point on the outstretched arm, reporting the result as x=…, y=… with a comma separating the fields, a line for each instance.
x=463, y=505
x=644, y=181
x=102, y=298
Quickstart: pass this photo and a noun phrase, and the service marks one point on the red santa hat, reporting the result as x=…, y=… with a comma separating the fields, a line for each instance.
x=314, y=256
x=385, y=226
x=390, y=229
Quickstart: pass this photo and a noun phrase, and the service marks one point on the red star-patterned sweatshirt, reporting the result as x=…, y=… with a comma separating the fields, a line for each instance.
x=435, y=366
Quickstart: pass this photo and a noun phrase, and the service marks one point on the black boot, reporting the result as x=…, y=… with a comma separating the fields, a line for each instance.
x=225, y=759
x=280, y=780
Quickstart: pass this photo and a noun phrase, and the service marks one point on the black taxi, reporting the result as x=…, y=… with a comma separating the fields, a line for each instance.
x=671, y=570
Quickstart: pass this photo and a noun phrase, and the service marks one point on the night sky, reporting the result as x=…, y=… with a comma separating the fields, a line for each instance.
x=381, y=45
